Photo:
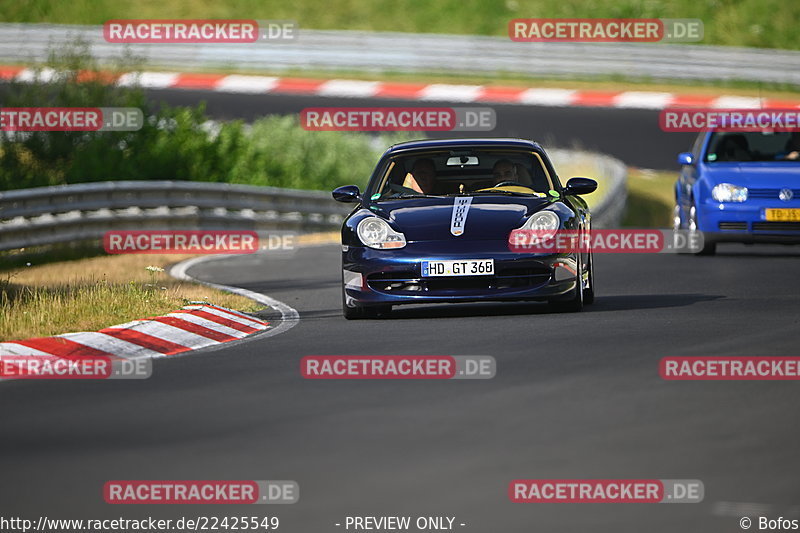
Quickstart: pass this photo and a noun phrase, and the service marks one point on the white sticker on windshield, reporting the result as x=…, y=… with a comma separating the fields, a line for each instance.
x=460, y=210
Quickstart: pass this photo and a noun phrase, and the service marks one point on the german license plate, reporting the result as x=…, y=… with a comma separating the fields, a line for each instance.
x=783, y=215
x=461, y=267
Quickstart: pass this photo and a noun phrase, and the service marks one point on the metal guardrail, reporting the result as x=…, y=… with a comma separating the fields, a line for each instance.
x=402, y=52
x=60, y=214
x=67, y=213
x=609, y=210
x=609, y=202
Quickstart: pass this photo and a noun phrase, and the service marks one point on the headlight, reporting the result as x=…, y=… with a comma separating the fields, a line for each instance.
x=543, y=221
x=726, y=192
x=377, y=233
x=540, y=227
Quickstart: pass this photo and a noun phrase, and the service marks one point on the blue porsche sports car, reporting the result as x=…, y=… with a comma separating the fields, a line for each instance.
x=740, y=187
x=433, y=225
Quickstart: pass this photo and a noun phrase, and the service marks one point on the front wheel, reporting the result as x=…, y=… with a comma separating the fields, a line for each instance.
x=574, y=303
x=709, y=246
x=676, y=217
x=359, y=312
x=588, y=292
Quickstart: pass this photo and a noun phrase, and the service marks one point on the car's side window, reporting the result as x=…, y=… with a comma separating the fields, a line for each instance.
x=390, y=175
x=541, y=177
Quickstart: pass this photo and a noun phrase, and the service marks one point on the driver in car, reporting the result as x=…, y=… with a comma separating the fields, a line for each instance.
x=504, y=170
x=422, y=177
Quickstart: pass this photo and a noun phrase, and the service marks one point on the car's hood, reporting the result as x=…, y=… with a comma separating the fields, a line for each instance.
x=759, y=175
x=486, y=217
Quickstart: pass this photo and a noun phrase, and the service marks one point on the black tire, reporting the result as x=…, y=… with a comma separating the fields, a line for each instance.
x=352, y=313
x=361, y=313
x=588, y=293
x=575, y=303
x=709, y=248
x=676, y=217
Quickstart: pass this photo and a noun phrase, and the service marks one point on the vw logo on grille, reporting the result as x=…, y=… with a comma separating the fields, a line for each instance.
x=786, y=195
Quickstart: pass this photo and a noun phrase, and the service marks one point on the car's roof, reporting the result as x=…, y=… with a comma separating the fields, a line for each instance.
x=491, y=142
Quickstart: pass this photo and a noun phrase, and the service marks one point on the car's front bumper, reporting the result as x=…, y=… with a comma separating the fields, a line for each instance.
x=394, y=277
x=746, y=222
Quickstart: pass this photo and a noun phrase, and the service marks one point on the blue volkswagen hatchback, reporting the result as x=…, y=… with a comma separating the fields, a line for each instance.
x=434, y=222
x=740, y=187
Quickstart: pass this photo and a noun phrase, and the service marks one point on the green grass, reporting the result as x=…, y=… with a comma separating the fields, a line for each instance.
x=651, y=198
x=174, y=142
x=759, y=23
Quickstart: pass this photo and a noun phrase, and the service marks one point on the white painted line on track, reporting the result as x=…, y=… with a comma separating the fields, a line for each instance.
x=289, y=315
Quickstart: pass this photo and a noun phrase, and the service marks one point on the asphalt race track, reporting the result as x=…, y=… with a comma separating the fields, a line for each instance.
x=575, y=396
x=632, y=135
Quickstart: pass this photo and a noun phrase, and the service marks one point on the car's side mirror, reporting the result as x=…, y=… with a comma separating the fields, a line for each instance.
x=348, y=194
x=580, y=186
x=685, y=158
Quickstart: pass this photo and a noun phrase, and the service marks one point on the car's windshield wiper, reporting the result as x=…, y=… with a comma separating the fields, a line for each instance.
x=409, y=195
x=512, y=193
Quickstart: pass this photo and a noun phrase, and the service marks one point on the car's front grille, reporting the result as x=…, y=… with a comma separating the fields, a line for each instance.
x=776, y=226
x=733, y=226
x=523, y=271
x=769, y=194
x=398, y=281
x=409, y=283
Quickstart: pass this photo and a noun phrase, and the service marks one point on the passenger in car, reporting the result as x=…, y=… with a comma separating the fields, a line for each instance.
x=792, y=148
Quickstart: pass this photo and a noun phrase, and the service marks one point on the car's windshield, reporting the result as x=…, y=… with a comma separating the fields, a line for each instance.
x=753, y=146
x=455, y=172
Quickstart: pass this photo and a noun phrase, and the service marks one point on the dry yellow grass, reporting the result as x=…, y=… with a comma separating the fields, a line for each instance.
x=328, y=237
x=90, y=294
